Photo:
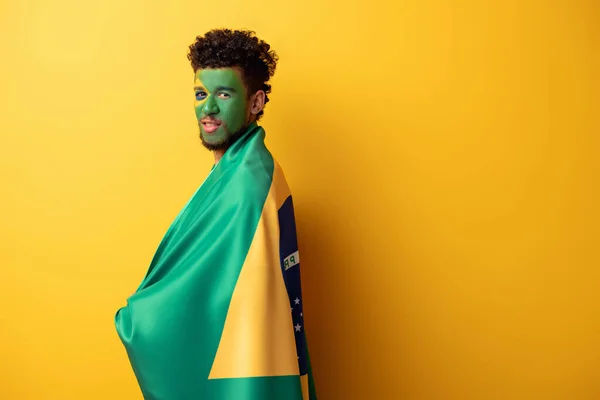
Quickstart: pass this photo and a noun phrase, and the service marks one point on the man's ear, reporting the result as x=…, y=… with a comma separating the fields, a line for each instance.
x=257, y=102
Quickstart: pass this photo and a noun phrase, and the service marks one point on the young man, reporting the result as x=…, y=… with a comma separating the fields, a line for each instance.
x=219, y=312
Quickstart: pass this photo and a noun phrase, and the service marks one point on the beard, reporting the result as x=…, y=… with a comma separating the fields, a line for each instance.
x=225, y=143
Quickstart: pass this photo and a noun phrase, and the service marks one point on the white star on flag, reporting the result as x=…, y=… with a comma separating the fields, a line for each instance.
x=298, y=326
x=297, y=301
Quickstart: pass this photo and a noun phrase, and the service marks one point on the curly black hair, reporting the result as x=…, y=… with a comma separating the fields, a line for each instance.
x=226, y=48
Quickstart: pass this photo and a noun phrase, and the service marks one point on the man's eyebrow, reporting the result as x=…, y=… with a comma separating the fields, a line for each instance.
x=226, y=88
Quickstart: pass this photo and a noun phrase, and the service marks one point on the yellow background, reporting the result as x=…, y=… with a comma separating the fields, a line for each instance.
x=444, y=162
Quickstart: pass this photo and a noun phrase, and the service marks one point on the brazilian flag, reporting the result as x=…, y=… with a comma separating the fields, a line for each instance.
x=219, y=315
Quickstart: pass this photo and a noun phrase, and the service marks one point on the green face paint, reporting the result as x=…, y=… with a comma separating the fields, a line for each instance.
x=221, y=105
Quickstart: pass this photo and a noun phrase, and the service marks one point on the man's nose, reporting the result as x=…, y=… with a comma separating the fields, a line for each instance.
x=210, y=106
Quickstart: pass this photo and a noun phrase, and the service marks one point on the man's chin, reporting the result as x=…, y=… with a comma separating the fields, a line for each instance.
x=213, y=145
x=222, y=144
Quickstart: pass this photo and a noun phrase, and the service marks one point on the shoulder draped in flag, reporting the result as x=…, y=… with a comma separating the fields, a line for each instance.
x=219, y=314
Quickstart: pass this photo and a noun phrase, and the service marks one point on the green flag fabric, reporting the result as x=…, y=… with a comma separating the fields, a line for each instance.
x=219, y=313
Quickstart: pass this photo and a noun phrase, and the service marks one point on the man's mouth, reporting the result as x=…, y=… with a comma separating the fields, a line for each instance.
x=210, y=125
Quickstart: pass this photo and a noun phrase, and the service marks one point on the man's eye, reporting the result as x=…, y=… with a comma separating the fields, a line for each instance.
x=200, y=95
x=224, y=95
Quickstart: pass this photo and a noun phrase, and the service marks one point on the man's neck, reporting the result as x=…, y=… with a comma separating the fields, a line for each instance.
x=218, y=155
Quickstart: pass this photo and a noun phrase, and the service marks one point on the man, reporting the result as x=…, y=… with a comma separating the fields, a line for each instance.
x=219, y=312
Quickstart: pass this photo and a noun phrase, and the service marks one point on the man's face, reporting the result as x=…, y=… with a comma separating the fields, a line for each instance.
x=221, y=106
